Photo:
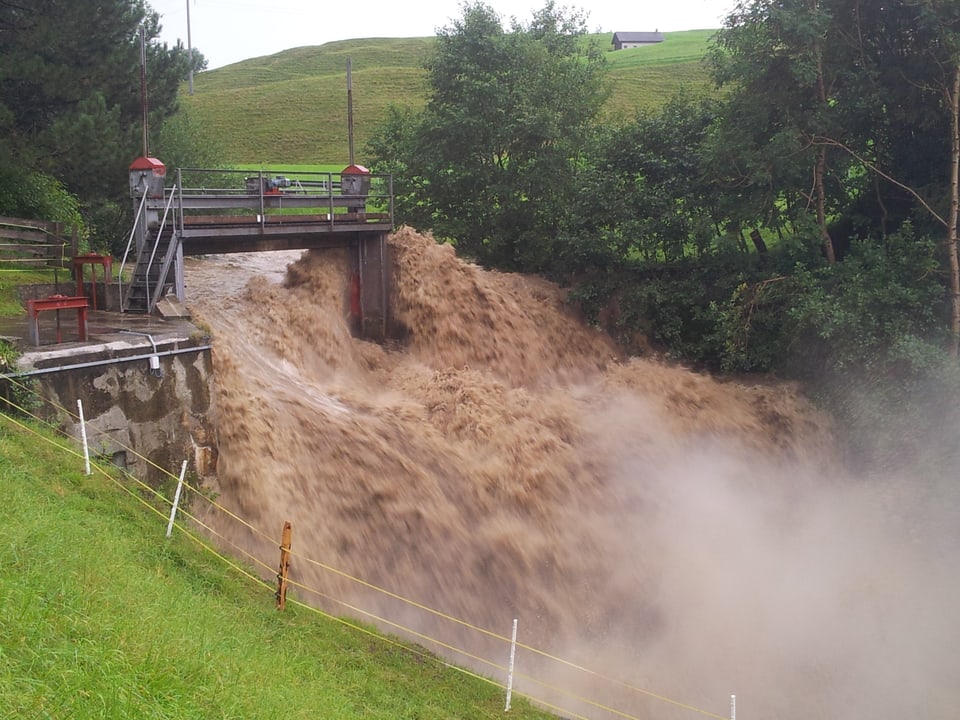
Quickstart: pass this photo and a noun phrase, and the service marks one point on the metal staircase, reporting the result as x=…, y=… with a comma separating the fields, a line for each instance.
x=237, y=211
x=157, y=248
x=151, y=273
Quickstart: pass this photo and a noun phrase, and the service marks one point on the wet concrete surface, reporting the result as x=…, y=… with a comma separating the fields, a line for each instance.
x=60, y=329
x=109, y=334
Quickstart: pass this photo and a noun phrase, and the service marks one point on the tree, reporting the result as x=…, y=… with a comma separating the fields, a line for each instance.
x=646, y=188
x=491, y=161
x=926, y=40
x=785, y=67
x=878, y=82
x=70, y=90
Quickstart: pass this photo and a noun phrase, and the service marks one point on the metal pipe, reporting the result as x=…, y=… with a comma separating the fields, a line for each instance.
x=146, y=335
x=154, y=359
x=109, y=361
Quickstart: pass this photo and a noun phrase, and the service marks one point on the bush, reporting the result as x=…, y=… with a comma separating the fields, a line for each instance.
x=861, y=313
x=36, y=196
x=678, y=307
x=867, y=338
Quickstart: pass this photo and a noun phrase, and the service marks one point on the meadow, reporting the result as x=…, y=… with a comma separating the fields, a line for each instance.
x=105, y=617
x=291, y=107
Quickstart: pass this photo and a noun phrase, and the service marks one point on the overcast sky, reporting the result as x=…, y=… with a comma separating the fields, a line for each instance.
x=227, y=31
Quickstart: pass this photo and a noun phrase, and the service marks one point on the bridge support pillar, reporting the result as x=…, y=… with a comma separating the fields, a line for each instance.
x=370, y=267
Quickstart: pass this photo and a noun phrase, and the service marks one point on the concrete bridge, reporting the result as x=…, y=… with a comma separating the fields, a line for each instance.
x=209, y=211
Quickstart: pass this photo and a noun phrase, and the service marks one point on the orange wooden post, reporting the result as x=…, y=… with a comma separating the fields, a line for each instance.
x=284, y=566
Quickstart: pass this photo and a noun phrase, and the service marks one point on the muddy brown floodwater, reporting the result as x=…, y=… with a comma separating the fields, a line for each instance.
x=679, y=534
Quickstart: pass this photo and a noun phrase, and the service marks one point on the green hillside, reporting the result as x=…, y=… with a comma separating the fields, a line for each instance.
x=644, y=78
x=292, y=107
x=102, y=616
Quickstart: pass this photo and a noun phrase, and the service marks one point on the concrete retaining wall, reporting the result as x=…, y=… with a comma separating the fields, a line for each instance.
x=165, y=416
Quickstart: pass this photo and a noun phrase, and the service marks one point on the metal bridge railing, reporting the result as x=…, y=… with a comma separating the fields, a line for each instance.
x=323, y=196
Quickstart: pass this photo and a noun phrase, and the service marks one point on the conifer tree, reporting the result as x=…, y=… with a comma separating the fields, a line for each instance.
x=70, y=89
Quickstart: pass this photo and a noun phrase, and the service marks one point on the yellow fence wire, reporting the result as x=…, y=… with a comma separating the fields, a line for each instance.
x=112, y=476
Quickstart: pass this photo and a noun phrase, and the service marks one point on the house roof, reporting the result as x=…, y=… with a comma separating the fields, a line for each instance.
x=648, y=37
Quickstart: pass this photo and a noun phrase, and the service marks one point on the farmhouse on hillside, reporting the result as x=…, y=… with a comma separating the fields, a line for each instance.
x=623, y=40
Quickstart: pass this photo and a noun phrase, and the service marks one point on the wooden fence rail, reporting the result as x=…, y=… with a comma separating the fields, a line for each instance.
x=37, y=243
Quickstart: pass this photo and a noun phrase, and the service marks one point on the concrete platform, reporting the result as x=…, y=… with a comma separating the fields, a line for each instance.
x=145, y=383
x=109, y=334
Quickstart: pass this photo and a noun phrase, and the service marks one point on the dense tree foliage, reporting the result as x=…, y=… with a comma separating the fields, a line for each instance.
x=804, y=222
x=37, y=196
x=70, y=91
x=644, y=187
x=491, y=162
x=864, y=96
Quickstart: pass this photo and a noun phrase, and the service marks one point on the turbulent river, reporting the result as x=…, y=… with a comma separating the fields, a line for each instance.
x=686, y=536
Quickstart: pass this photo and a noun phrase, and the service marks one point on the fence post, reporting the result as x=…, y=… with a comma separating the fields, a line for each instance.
x=83, y=435
x=513, y=654
x=176, y=499
x=284, y=567
x=733, y=707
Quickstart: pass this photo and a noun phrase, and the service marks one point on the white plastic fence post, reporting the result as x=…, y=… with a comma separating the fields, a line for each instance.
x=176, y=499
x=83, y=435
x=513, y=655
x=733, y=707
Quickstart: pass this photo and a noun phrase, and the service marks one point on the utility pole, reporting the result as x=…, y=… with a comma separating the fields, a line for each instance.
x=143, y=89
x=350, y=107
x=189, y=52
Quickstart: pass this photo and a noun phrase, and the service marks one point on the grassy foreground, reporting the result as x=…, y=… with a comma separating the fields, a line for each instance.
x=102, y=616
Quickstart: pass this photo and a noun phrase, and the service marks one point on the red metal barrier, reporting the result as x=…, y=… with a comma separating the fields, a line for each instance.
x=92, y=259
x=57, y=302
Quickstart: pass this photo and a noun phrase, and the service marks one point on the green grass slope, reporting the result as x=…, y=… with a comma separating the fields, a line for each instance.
x=292, y=107
x=102, y=616
x=645, y=78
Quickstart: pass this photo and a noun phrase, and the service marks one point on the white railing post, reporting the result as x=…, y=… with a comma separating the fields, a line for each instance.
x=83, y=435
x=733, y=707
x=513, y=654
x=176, y=499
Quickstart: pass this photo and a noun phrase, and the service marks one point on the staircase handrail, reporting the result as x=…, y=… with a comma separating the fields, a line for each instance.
x=126, y=252
x=153, y=252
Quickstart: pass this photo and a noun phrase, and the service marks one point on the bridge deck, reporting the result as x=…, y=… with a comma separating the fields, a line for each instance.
x=207, y=234
x=210, y=212
x=234, y=211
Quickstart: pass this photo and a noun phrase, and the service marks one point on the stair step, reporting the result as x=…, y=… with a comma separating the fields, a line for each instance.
x=146, y=282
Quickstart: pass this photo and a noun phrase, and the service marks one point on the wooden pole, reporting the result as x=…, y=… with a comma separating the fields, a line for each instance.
x=284, y=567
x=189, y=52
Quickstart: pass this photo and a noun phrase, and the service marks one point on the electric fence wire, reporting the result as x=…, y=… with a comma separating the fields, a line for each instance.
x=256, y=561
